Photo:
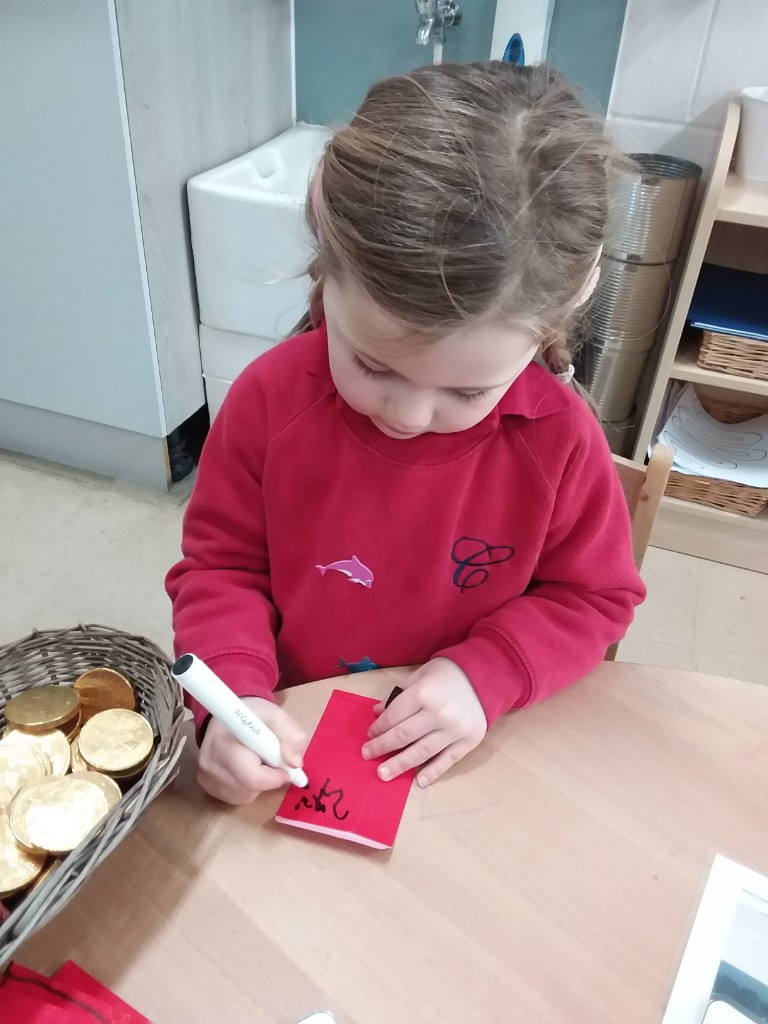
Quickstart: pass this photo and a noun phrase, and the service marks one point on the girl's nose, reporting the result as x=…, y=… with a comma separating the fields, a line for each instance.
x=409, y=411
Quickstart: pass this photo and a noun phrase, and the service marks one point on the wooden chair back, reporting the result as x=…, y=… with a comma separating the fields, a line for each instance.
x=643, y=488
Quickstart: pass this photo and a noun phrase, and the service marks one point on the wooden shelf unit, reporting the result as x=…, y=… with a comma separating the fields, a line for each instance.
x=743, y=201
x=683, y=525
x=685, y=367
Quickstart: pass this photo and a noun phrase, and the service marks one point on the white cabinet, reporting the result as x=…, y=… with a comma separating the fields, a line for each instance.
x=108, y=107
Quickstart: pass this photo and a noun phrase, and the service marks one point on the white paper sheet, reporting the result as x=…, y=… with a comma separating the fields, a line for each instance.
x=706, y=447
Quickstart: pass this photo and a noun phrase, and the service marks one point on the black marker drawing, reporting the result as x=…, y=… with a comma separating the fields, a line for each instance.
x=324, y=794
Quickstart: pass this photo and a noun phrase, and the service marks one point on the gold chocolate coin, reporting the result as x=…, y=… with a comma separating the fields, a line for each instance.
x=20, y=832
x=108, y=786
x=116, y=740
x=58, y=813
x=71, y=728
x=18, y=867
x=101, y=689
x=131, y=773
x=42, y=708
x=76, y=762
x=52, y=745
x=18, y=767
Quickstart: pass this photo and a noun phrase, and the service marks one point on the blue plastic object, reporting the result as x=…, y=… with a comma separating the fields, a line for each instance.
x=515, y=51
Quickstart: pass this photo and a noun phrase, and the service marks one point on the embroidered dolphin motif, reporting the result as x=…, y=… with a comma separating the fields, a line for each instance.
x=366, y=665
x=352, y=568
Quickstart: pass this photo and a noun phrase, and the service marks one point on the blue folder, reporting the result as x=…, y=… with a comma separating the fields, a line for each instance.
x=731, y=302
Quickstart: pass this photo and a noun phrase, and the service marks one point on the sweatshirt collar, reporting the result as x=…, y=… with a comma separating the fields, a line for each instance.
x=535, y=394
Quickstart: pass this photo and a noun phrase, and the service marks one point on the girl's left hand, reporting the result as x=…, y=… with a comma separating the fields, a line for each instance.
x=438, y=718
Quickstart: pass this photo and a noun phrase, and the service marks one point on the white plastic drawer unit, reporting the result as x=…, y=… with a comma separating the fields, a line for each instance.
x=251, y=248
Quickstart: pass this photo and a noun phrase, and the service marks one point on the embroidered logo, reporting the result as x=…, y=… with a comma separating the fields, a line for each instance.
x=352, y=568
x=366, y=665
x=472, y=556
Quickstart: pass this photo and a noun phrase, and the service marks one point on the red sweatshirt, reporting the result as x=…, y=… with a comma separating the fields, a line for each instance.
x=313, y=544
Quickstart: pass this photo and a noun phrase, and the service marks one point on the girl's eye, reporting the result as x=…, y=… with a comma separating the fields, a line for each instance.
x=468, y=396
x=462, y=396
x=367, y=370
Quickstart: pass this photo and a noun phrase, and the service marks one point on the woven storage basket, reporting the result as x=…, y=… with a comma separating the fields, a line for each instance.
x=60, y=656
x=723, y=494
x=728, y=354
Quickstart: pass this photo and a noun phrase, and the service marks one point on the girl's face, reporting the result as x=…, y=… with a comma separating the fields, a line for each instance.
x=407, y=387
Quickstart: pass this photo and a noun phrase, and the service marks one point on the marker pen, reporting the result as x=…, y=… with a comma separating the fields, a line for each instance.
x=206, y=687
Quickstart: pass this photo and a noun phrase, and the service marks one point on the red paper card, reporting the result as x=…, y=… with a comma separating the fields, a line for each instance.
x=346, y=798
x=30, y=998
x=76, y=982
x=69, y=997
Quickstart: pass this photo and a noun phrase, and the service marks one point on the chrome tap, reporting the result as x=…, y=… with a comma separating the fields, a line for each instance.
x=435, y=16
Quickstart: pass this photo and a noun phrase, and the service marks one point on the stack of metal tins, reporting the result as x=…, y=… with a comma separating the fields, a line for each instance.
x=649, y=210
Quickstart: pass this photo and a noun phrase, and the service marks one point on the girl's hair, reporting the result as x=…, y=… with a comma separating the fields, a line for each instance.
x=465, y=191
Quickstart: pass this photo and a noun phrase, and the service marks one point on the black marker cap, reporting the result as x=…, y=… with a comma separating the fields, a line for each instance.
x=181, y=665
x=395, y=693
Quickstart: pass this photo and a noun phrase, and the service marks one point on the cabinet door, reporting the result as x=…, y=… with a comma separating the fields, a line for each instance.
x=75, y=330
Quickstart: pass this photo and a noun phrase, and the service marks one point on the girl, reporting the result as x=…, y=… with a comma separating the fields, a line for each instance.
x=403, y=482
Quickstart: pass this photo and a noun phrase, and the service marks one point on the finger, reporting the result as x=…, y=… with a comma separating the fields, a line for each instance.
x=229, y=765
x=383, y=705
x=399, y=736
x=419, y=752
x=293, y=739
x=232, y=789
x=399, y=689
x=440, y=764
x=404, y=706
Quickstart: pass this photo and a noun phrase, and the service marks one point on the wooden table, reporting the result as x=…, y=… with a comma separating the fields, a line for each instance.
x=551, y=877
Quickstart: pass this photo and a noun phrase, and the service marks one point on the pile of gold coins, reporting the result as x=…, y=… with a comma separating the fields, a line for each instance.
x=65, y=756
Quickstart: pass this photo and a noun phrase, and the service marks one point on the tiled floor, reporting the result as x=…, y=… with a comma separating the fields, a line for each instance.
x=78, y=548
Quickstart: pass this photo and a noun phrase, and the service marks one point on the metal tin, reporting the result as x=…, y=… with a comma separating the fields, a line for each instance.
x=629, y=302
x=611, y=374
x=650, y=208
x=620, y=434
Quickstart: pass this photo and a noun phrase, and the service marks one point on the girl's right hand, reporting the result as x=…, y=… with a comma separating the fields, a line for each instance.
x=231, y=772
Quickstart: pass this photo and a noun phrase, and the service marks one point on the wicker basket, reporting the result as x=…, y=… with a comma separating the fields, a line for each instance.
x=729, y=354
x=60, y=656
x=723, y=494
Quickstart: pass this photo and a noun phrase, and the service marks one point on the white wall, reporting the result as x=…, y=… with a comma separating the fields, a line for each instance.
x=678, y=61
x=531, y=18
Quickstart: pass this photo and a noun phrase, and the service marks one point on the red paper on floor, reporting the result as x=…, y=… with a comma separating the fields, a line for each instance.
x=346, y=798
x=69, y=997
